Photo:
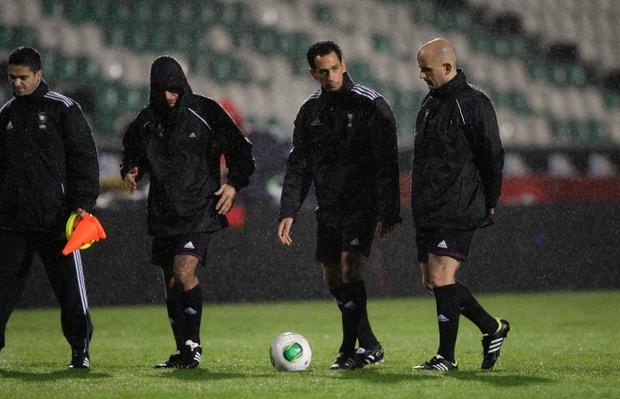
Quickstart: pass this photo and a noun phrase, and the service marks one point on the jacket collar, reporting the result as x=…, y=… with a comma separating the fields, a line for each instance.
x=450, y=88
x=39, y=91
x=347, y=85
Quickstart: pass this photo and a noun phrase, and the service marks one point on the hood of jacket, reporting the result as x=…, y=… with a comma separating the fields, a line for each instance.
x=167, y=74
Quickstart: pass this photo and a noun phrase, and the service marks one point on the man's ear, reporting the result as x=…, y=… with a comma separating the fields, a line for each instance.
x=312, y=73
x=447, y=68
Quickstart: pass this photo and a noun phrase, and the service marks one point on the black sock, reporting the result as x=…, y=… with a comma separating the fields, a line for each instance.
x=448, y=313
x=367, y=339
x=471, y=309
x=338, y=296
x=192, y=308
x=351, y=315
x=177, y=319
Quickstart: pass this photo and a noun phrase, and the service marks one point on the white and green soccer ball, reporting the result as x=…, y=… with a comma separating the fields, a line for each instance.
x=290, y=352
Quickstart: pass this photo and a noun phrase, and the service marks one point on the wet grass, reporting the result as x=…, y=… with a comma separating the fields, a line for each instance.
x=563, y=344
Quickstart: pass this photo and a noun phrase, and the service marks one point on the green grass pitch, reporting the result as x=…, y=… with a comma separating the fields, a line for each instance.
x=562, y=345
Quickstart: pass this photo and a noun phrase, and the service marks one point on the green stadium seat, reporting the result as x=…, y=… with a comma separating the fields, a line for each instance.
x=518, y=103
x=207, y=13
x=77, y=11
x=119, y=12
x=322, y=14
x=360, y=72
x=266, y=41
x=21, y=36
x=97, y=11
x=596, y=131
x=104, y=124
x=236, y=15
x=501, y=47
x=160, y=40
x=576, y=130
x=292, y=45
x=53, y=7
x=115, y=36
x=107, y=97
x=86, y=68
x=576, y=75
x=183, y=39
x=65, y=68
x=612, y=99
x=381, y=42
x=142, y=12
x=6, y=36
x=138, y=37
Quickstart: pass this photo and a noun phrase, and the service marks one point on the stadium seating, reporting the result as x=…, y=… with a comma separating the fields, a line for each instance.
x=256, y=50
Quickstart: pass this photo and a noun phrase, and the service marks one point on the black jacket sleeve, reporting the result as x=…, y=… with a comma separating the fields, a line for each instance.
x=82, y=163
x=298, y=177
x=237, y=149
x=488, y=152
x=134, y=145
x=385, y=152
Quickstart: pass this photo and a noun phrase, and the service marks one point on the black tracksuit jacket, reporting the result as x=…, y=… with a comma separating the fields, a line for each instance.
x=48, y=162
x=346, y=144
x=180, y=149
x=456, y=172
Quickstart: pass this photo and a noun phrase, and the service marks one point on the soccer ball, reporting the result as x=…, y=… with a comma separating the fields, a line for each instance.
x=290, y=352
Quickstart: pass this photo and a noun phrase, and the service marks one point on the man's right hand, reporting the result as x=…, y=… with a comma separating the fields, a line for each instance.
x=284, y=231
x=130, y=180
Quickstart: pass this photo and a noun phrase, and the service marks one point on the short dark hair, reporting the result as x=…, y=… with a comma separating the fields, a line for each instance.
x=26, y=56
x=321, y=48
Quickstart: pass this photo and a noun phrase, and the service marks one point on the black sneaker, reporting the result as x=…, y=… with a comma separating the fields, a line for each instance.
x=343, y=362
x=79, y=360
x=191, y=355
x=173, y=362
x=492, y=343
x=365, y=357
x=437, y=363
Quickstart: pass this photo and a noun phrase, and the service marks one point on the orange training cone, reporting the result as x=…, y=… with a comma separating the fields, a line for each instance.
x=87, y=231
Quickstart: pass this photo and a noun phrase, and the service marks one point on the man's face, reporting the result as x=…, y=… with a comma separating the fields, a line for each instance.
x=23, y=79
x=329, y=71
x=431, y=70
x=171, y=98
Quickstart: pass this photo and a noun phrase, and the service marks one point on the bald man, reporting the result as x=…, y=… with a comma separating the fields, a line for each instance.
x=456, y=179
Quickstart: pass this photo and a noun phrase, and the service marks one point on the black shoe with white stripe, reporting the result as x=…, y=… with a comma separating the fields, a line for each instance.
x=79, y=360
x=492, y=343
x=365, y=357
x=437, y=363
x=343, y=362
x=192, y=354
x=173, y=362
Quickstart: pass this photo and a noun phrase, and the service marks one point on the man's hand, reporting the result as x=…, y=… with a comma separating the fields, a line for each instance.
x=130, y=180
x=228, y=197
x=284, y=231
x=79, y=212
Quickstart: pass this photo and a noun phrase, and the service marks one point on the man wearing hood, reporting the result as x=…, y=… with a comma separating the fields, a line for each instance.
x=345, y=143
x=178, y=140
x=48, y=170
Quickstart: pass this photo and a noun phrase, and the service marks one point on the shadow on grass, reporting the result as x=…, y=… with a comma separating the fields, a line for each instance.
x=35, y=376
x=204, y=374
x=381, y=376
x=498, y=379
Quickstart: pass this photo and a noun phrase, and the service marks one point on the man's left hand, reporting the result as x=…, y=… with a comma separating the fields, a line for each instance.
x=228, y=196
